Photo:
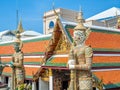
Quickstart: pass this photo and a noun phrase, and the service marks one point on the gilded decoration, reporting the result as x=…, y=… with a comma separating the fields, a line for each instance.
x=98, y=83
x=58, y=84
x=45, y=75
x=58, y=79
x=118, y=24
x=63, y=45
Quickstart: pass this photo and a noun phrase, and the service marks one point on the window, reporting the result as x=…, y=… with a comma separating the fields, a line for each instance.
x=51, y=24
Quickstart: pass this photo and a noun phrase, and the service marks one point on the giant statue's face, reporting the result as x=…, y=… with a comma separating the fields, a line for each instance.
x=16, y=46
x=79, y=37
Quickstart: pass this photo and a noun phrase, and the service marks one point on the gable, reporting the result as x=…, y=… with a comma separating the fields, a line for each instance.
x=59, y=42
x=63, y=45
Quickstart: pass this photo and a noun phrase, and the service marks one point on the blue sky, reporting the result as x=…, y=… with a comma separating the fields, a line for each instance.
x=31, y=11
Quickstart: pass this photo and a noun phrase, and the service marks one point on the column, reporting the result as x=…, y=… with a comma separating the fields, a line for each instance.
x=9, y=82
x=40, y=83
x=2, y=79
x=33, y=85
x=50, y=79
x=43, y=85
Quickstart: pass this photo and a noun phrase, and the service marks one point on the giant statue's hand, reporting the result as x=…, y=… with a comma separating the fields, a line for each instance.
x=71, y=64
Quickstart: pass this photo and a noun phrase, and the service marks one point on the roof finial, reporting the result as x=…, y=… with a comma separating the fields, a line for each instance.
x=53, y=5
x=55, y=11
x=80, y=9
x=20, y=28
x=80, y=20
x=116, y=15
x=17, y=13
x=118, y=23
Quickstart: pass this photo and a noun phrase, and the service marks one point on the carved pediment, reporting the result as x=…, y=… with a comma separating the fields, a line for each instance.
x=63, y=45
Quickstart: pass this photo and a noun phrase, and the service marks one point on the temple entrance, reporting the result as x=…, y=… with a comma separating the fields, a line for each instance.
x=94, y=88
x=37, y=85
x=6, y=80
x=64, y=85
x=61, y=79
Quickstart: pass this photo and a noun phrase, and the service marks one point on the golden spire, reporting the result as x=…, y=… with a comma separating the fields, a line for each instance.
x=80, y=20
x=20, y=28
x=18, y=40
x=118, y=23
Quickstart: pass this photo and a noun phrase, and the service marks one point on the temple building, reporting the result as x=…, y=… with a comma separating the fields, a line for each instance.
x=46, y=56
x=49, y=18
x=107, y=18
x=9, y=35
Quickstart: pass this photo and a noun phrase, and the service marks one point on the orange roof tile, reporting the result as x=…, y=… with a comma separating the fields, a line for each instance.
x=60, y=60
x=6, y=49
x=71, y=31
x=106, y=59
x=31, y=47
x=30, y=70
x=7, y=70
x=104, y=40
x=33, y=59
x=28, y=47
x=6, y=59
x=109, y=77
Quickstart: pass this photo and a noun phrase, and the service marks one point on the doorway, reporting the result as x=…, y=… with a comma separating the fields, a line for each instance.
x=64, y=85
